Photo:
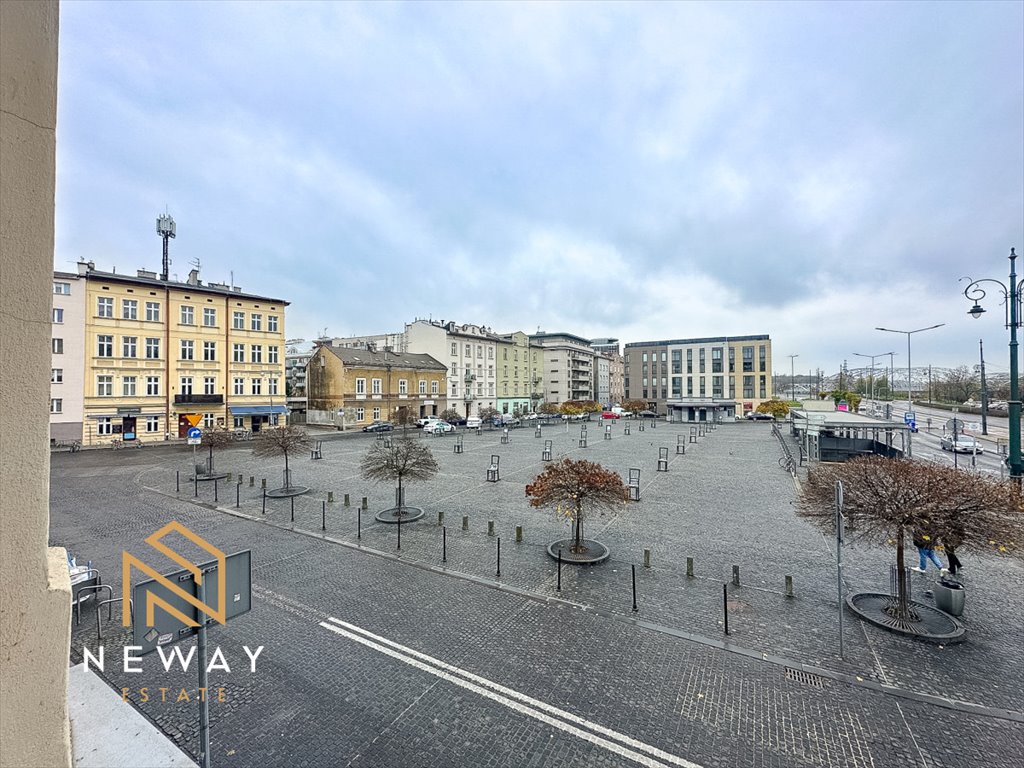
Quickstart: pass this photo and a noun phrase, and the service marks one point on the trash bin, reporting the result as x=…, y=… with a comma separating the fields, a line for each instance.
x=950, y=596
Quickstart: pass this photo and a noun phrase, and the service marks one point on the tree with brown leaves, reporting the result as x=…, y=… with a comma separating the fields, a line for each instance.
x=281, y=442
x=574, y=489
x=403, y=460
x=885, y=499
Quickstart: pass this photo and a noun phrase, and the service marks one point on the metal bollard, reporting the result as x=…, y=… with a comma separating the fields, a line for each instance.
x=519, y=534
x=347, y=504
x=490, y=527
x=177, y=481
x=264, y=501
x=647, y=558
x=195, y=479
x=465, y=522
x=263, y=482
x=789, y=586
x=365, y=503
x=559, y=587
x=736, y=575
x=689, y=567
x=330, y=497
x=725, y=606
x=359, y=523
x=498, y=574
x=633, y=569
x=215, y=496
x=252, y=481
x=444, y=545
x=292, y=500
x=440, y=517
x=238, y=494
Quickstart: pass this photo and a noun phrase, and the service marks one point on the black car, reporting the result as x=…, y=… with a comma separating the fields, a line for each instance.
x=647, y=415
x=378, y=426
x=755, y=416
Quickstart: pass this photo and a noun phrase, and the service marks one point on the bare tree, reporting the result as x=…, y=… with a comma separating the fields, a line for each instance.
x=574, y=488
x=402, y=460
x=281, y=442
x=487, y=416
x=958, y=385
x=216, y=438
x=886, y=498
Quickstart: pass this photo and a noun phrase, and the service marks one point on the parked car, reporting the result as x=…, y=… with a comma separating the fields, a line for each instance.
x=609, y=415
x=530, y=417
x=439, y=427
x=420, y=423
x=962, y=444
x=647, y=415
x=506, y=420
x=473, y=422
x=755, y=416
x=378, y=426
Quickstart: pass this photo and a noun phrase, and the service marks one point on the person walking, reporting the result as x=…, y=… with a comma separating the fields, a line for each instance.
x=950, y=542
x=925, y=552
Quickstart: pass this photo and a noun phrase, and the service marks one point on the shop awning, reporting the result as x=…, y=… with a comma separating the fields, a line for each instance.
x=257, y=410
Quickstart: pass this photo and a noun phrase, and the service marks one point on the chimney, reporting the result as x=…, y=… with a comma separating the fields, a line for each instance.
x=193, y=277
x=85, y=267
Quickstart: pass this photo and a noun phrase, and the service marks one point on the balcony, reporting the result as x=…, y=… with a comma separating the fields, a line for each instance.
x=199, y=399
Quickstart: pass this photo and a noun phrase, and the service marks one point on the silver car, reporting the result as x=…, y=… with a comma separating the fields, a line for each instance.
x=962, y=444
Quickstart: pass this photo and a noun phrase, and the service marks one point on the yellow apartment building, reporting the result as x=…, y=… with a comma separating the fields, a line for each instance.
x=519, y=369
x=161, y=354
x=361, y=386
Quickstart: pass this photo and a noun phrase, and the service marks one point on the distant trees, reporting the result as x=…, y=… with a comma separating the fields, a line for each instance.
x=887, y=499
x=852, y=398
x=779, y=409
x=548, y=409
x=635, y=406
x=957, y=386
x=450, y=415
x=487, y=415
x=575, y=489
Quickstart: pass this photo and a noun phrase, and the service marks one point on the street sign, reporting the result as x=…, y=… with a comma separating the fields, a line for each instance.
x=909, y=416
x=193, y=418
x=195, y=436
x=955, y=424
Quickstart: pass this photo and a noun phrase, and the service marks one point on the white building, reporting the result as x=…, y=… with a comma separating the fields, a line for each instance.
x=568, y=370
x=67, y=354
x=468, y=351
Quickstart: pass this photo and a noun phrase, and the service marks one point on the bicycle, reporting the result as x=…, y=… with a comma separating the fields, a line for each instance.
x=117, y=444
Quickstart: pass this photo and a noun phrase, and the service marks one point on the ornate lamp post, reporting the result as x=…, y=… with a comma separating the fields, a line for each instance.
x=1012, y=300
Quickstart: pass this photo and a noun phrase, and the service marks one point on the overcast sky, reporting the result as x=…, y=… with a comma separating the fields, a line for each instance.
x=642, y=171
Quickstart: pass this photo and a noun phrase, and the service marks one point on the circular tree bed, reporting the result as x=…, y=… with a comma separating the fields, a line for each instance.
x=922, y=621
x=589, y=553
x=291, y=490
x=392, y=516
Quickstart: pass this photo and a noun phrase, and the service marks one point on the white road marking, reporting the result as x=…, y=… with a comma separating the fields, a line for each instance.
x=520, y=702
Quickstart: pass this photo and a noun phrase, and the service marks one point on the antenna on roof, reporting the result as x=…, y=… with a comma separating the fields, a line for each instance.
x=165, y=228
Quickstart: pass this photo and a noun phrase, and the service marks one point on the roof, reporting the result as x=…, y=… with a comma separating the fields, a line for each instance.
x=704, y=340
x=541, y=337
x=367, y=359
x=214, y=288
x=846, y=419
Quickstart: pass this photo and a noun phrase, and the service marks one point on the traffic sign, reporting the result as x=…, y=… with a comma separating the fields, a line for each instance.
x=955, y=425
x=194, y=418
x=195, y=436
x=909, y=416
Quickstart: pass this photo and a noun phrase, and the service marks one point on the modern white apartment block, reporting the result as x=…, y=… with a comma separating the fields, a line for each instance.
x=67, y=352
x=568, y=370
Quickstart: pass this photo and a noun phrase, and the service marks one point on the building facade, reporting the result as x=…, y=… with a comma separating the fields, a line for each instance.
x=67, y=355
x=568, y=367
x=616, y=371
x=519, y=374
x=469, y=353
x=360, y=386
x=700, y=379
x=160, y=355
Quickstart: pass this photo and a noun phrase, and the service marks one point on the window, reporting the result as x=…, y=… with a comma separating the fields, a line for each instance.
x=504, y=353
x=152, y=348
x=57, y=346
x=209, y=351
x=238, y=353
x=257, y=387
x=104, y=346
x=209, y=385
x=701, y=353
x=375, y=386
x=153, y=311
x=64, y=289
x=186, y=385
x=209, y=317
x=762, y=353
x=271, y=323
x=152, y=423
x=207, y=421
x=716, y=360
x=56, y=405
x=188, y=315
x=689, y=361
x=188, y=351
x=129, y=346
x=103, y=426
x=703, y=385
x=455, y=349
x=272, y=354
x=104, y=386
x=152, y=386
x=360, y=414
x=423, y=386
x=238, y=321
x=732, y=359
x=490, y=353
x=58, y=315
x=748, y=384
x=104, y=306
x=375, y=413
x=469, y=350
x=239, y=386
x=677, y=361
x=716, y=386
x=479, y=352
x=689, y=386
x=645, y=357
x=403, y=386
x=272, y=386
x=128, y=386
x=748, y=366
x=129, y=309
x=763, y=387
x=360, y=386
x=238, y=421
x=56, y=375
x=256, y=353
x=677, y=386
x=455, y=390
x=255, y=322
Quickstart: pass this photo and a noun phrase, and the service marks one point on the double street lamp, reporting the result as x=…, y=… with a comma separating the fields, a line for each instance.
x=872, y=384
x=910, y=405
x=1012, y=292
x=792, y=378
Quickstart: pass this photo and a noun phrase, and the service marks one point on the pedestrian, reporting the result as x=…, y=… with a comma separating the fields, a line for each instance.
x=950, y=542
x=925, y=552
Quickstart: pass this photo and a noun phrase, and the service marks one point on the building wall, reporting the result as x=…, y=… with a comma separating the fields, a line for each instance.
x=215, y=383
x=35, y=589
x=602, y=380
x=67, y=361
x=616, y=378
x=568, y=367
x=518, y=374
x=464, y=350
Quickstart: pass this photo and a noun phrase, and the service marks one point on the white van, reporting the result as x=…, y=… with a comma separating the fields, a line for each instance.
x=473, y=422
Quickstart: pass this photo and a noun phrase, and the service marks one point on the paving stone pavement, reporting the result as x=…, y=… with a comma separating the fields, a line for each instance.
x=322, y=699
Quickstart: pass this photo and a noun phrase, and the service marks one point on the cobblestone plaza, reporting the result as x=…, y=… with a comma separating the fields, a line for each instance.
x=425, y=655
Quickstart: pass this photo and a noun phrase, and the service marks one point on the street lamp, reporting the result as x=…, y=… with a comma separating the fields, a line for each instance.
x=792, y=378
x=910, y=405
x=1012, y=299
x=883, y=354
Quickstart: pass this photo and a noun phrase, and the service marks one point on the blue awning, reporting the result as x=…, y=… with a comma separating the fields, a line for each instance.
x=257, y=410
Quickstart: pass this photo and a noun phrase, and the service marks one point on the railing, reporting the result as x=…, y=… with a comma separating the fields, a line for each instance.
x=786, y=461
